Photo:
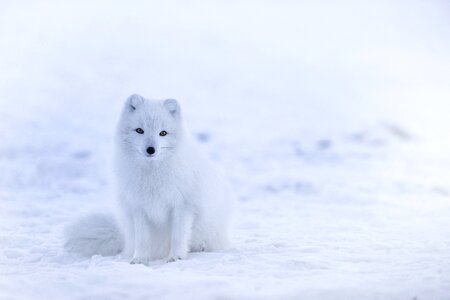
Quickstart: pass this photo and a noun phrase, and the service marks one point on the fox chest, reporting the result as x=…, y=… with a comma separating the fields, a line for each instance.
x=158, y=199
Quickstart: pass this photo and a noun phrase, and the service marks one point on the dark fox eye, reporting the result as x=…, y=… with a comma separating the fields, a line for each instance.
x=163, y=133
x=139, y=130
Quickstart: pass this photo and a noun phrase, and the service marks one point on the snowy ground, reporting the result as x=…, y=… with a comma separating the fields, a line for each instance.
x=330, y=118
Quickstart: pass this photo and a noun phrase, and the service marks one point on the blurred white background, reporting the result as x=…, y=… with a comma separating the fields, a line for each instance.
x=324, y=63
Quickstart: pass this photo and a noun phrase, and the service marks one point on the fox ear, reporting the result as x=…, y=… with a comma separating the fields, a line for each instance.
x=172, y=106
x=134, y=101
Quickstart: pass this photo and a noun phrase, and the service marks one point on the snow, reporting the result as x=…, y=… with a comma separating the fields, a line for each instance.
x=329, y=118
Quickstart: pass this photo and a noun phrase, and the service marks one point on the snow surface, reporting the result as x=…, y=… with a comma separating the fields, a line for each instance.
x=330, y=118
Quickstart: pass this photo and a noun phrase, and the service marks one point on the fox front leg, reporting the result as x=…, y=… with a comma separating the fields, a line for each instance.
x=180, y=234
x=142, y=251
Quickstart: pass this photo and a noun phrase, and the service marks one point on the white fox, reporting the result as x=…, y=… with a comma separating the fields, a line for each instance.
x=171, y=201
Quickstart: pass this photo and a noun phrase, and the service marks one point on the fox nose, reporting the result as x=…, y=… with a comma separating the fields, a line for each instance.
x=150, y=150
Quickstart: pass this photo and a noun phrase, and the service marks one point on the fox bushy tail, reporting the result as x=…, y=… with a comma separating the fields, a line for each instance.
x=96, y=233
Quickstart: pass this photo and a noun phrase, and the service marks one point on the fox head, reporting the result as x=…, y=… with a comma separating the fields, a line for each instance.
x=149, y=129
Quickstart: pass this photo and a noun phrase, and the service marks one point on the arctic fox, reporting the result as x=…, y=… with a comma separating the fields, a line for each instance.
x=170, y=200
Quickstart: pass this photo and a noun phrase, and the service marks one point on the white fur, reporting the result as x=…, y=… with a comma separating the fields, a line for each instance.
x=171, y=202
x=96, y=233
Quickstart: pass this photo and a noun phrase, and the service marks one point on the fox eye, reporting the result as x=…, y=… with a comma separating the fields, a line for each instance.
x=163, y=133
x=139, y=130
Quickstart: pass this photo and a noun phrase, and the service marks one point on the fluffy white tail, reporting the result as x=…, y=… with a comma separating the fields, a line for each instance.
x=96, y=233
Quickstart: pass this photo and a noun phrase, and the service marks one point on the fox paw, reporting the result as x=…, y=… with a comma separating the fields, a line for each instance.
x=173, y=258
x=140, y=261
